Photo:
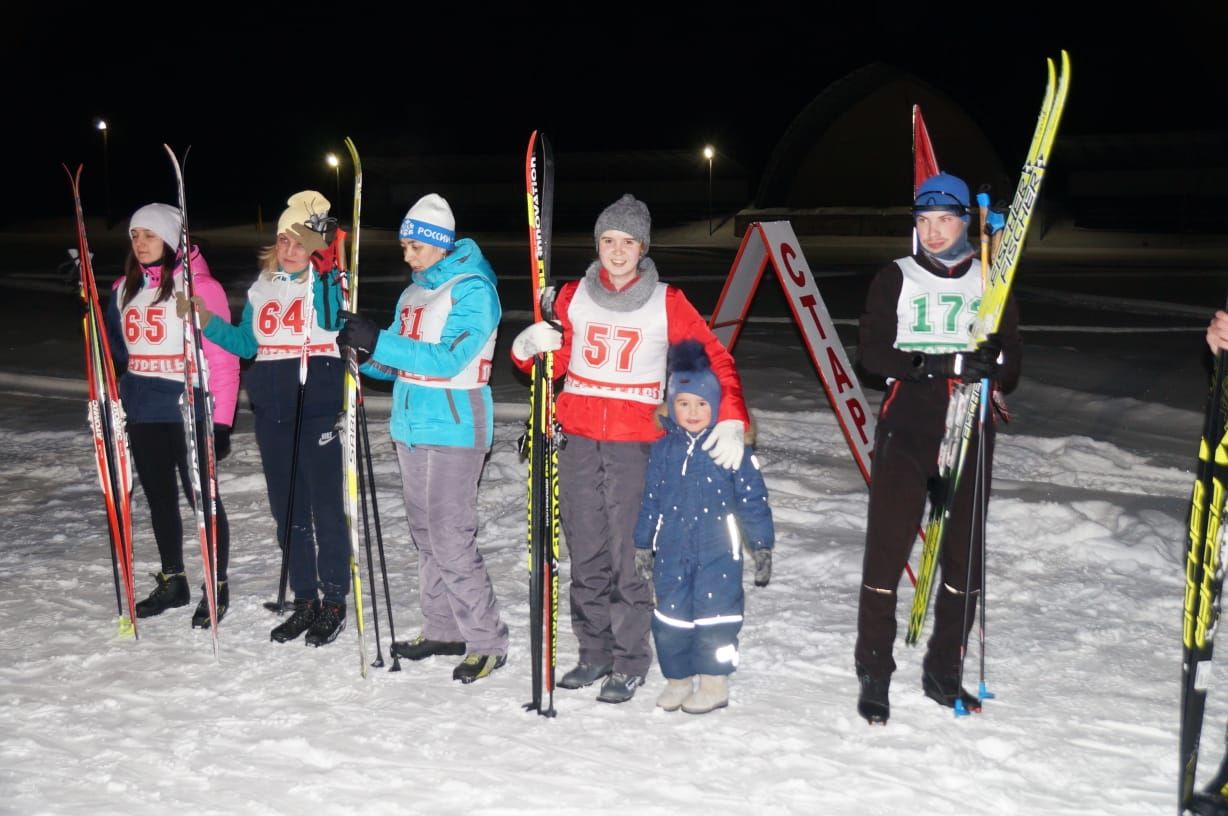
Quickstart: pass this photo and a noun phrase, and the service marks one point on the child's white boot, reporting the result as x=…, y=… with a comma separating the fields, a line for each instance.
x=712, y=693
x=676, y=691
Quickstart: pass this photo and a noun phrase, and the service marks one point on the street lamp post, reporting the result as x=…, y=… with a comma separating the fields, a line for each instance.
x=332, y=161
x=709, y=152
x=101, y=125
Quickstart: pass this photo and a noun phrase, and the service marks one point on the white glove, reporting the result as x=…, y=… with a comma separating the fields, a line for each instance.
x=537, y=339
x=726, y=443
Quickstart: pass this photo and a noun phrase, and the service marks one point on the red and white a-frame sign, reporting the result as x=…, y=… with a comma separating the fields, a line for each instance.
x=775, y=242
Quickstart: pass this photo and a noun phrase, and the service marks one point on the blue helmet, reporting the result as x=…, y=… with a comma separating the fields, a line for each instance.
x=942, y=192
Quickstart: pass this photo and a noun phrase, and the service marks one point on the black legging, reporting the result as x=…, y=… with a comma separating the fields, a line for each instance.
x=159, y=452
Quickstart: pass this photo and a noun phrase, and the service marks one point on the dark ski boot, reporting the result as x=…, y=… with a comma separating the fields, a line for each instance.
x=200, y=619
x=421, y=648
x=873, y=703
x=945, y=689
x=300, y=621
x=329, y=622
x=172, y=591
x=477, y=666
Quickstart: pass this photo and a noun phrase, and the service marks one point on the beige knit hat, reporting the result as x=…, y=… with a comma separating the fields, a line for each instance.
x=305, y=219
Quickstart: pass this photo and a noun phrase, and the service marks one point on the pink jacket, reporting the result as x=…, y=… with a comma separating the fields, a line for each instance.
x=223, y=366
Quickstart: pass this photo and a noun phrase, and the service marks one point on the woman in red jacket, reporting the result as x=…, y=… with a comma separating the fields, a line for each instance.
x=618, y=322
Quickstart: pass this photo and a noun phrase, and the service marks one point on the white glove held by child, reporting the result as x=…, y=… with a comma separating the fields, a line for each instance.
x=537, y=339
x=726, y=443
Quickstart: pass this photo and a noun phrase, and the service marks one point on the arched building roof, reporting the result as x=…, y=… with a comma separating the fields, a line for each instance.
x=852, y=145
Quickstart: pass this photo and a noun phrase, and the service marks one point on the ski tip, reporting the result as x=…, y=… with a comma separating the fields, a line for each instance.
x=960, y=709
x=126, y=628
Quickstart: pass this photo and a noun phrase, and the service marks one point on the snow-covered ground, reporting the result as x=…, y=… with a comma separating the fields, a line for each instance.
x=1084, y=587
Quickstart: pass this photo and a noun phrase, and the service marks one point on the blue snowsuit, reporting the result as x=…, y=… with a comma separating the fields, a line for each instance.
x=697, y=515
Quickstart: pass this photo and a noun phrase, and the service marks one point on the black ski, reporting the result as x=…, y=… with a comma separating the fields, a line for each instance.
x=541, y=443
x=1204, y=576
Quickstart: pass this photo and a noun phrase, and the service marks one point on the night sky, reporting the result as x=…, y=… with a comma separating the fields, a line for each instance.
x=262, y=94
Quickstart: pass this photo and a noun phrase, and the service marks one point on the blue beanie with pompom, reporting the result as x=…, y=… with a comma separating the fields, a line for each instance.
x=690, y=372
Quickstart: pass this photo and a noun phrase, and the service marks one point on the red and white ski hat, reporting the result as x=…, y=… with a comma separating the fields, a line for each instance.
x=306, y=219
x=430, y=221
x=162, y=220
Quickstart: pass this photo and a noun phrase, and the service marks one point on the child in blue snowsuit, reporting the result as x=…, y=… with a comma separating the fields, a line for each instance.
x=697, y=516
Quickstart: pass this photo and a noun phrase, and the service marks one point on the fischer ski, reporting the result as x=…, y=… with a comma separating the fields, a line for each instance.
x=965, y=397
x=349, y=418
x=1204, y=577
x=196, y=373
x=106, y=417
x=541, y=441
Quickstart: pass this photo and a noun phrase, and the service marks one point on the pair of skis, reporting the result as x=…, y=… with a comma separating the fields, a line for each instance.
x=106, y=418
x=349, y=428
x=540, y=444
x=202, y=464
x=965, y=401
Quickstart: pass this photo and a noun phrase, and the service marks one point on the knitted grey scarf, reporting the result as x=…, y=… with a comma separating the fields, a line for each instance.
x=625, y=300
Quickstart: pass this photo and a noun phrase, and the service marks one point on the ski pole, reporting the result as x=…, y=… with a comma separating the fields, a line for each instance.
x=982, y=691
x=279, y=606
x=976, y=529
x=979, y=492
x=366, y=531
x=379, y=536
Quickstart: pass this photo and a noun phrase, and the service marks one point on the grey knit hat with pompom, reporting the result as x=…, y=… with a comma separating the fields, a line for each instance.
x=628, y=215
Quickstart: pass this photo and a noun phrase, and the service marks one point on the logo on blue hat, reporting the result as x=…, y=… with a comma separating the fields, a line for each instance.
x=433, y=234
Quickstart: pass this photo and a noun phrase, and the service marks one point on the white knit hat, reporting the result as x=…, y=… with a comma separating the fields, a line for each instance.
x=305, y=219
x=162, y=220
x=430, y=221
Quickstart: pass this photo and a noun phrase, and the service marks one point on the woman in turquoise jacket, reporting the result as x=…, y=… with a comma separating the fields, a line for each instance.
x=438, y=351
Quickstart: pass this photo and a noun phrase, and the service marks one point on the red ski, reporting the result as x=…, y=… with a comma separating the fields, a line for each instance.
x=106, y=416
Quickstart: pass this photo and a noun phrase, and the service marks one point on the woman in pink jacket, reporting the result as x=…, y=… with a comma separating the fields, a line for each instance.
x=147, y=338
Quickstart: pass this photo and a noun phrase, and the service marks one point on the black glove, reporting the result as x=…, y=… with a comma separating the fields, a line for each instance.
x=763, y=567
x=984, y=362
x=965, y=366
x=643, y=564
x=221, y=441
x=358, y=333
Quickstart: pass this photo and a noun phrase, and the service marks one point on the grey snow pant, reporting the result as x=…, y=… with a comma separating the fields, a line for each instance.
x=600, y=488
x=441, y=500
